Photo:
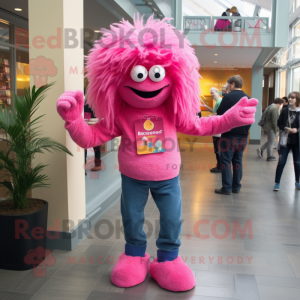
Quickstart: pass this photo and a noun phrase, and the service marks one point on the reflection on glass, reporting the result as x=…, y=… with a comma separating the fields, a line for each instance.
x=5, y=76
x=296, y=50
x=22, y=38
x=22, y=67
x=282, y=84
x=216, y=8
x=159, y=8
x=296, y=79
x=6, y=32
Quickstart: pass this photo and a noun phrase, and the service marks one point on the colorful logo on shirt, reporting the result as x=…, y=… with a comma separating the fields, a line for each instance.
x=148, y=125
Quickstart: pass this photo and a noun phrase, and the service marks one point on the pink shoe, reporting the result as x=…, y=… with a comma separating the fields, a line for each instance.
x=130, y=270
x=175, y=276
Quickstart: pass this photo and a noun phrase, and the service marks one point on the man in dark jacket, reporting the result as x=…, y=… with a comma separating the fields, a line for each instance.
x=233, y=142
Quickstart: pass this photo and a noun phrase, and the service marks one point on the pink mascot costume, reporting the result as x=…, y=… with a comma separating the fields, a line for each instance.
x=144, y=87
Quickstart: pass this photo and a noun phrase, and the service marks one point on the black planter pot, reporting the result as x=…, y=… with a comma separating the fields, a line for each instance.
x=23, y=240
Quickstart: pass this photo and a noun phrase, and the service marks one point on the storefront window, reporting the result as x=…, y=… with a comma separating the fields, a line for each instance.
x=282, y=84
x=283, y=58
x=23, y=79
x=296, y=49
x=22, y=38
x=6, y=32
x=5, y=75
x=297, y=30
x=296, y=79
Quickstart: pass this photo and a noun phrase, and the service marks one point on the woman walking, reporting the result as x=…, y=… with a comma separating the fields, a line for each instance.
x=288, y=123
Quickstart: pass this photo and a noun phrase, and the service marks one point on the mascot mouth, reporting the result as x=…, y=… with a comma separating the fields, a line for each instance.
x=146, y=95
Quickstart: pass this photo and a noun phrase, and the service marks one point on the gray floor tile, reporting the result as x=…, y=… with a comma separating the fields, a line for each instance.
x=9, y=279
x=31, y=284
x=14, y=296
x=214, y=279
x=278, y=293
x=278, y=281
x=245, y=287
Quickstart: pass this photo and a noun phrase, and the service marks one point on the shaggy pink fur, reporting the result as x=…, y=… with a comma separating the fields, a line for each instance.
x=130, y=270
x=175, y=276
x=106, y=66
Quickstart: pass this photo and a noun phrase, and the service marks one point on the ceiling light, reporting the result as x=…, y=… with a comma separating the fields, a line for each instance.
x=216, y=54
x=154, y=9
x=5, y=22
x=215, y=62
x=18, y=9
x=160, y=15
x=96, y=30
x=149, y=3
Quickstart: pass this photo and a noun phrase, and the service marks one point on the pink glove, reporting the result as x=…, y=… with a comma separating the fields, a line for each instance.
x=242, y=113
x=70, y=105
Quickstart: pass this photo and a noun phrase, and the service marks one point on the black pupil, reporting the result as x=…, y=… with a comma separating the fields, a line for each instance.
x=140, y=75
x=157, y=75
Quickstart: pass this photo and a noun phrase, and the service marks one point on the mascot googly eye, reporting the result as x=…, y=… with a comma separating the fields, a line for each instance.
x=139, y=73
x=157, y=73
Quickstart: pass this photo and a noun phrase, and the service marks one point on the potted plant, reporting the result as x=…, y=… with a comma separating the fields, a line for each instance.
x=23, y=220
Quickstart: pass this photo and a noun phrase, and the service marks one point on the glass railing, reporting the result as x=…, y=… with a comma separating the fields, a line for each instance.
x=238, y=24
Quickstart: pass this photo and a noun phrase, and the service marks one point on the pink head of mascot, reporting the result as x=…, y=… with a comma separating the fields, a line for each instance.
x=144, y=87
x=143, y=66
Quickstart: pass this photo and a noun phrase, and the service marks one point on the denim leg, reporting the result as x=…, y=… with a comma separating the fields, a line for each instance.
x=295, y=149
x=226, y=155
x=237, y=163
x=216, y=150
x=167, y=196
x=133, y=201
x=284, y=152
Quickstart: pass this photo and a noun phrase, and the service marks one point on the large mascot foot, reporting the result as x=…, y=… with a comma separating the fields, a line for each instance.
x=130, y=270
x=175, y=276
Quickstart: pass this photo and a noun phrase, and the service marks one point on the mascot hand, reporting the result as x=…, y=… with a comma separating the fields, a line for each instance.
x=70, y=105
x=242, y=113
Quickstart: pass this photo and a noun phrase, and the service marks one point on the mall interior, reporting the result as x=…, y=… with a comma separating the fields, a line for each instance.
x=262, y=261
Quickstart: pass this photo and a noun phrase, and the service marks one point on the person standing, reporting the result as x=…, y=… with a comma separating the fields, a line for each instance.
x=271, y=129
x=289, y=122
x=216, y=96
x=285, y=102
x=97, y=149
x=225, y=90
x=233, y=142
x=223, y=24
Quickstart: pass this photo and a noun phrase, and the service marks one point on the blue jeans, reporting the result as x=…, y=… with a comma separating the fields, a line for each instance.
x=283, y=155
x=231, y=155
x=167, y=196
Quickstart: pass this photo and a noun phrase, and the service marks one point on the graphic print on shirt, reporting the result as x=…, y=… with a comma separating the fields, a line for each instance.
x=150, y=136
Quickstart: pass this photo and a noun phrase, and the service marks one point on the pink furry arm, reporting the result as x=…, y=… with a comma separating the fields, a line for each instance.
x=70, y=106
x=240, y=114
x=87, y=136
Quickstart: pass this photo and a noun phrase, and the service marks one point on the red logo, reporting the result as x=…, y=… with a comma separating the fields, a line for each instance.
x=40, y=259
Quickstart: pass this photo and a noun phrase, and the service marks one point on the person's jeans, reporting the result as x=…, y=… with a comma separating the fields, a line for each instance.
x=269, y=144
x=284, y=152
x=97, y=151
x=231, y=153
x=216, y=150
x=167, y=196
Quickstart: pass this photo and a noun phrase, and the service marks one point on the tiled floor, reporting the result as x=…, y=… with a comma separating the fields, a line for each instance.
x=265, y=267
